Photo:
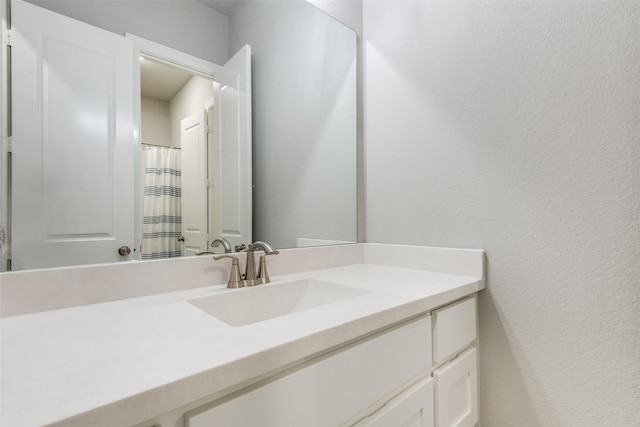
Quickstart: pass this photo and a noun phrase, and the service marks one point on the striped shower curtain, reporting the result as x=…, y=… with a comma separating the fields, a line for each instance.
x=161, y=210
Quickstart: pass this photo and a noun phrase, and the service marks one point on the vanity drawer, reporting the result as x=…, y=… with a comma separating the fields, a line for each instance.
x=411, y=408
x=330, y=390
x=454, y=327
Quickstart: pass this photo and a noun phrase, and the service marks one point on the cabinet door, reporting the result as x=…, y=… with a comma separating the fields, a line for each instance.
x=412, y=408
x=456, y=386
x=330, y=391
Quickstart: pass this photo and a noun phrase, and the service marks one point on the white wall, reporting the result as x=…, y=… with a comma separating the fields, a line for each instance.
x=304, y=121
x=514, y=127
x=191, y=99
x=188, y=26
x=155, y=122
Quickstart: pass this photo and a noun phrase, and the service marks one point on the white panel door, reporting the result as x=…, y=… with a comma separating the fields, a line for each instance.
x=231, y=166
x=193, y=142
x=73, y=141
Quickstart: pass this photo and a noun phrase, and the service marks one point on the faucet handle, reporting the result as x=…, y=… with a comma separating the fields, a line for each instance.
x=263, y=275
x=250, y=278
x=235, y=279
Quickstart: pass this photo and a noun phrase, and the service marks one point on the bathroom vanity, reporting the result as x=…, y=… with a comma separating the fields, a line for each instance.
x=365, y=335
x=386, y=379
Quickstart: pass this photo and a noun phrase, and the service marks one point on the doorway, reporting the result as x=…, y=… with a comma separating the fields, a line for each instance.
x=210, y=123
x=174, y=145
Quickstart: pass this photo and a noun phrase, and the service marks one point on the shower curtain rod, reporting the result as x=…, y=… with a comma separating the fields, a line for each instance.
x=158, y=145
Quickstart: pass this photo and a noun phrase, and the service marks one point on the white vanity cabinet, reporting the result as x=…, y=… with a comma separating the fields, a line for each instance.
x=450, y=397
x=388, y=345
x=456, y=375
x=337, y=389
x=419, y=373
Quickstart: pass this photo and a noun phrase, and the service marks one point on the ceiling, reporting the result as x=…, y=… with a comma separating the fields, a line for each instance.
x=161, y=81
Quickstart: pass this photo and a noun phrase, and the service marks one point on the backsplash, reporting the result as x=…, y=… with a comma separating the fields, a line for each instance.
x=31, y=291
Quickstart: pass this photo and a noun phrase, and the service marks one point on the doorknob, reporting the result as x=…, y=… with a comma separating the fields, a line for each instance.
x=181, y=239
x=124, y=250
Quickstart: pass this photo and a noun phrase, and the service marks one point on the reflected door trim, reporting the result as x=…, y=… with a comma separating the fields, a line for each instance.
x=172, y=56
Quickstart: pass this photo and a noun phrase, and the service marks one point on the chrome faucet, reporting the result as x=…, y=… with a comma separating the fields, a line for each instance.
x=221, y=241
x=250, y=270
x=217, y=242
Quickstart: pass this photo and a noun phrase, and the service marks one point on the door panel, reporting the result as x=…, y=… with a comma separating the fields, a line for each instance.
x=194, y=183
x=231, y=168
x=73, y=141
x=77, y=153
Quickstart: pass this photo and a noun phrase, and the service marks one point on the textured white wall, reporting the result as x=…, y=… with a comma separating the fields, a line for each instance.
x=515, y=127
x=347, y=12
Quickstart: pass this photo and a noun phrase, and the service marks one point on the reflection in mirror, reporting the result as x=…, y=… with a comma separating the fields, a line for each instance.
x=304, y=113
x=174, y=136
x=304, y=101
x=196, y=157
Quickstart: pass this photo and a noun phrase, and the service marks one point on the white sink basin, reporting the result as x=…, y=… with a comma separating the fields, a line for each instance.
x=255, y=304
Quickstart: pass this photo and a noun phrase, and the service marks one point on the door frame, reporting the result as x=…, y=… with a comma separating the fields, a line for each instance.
x=169, y=56
x=5, y=141
x=208, y=111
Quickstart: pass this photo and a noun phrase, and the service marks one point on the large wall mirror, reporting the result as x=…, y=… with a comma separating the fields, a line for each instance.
x=301, y=159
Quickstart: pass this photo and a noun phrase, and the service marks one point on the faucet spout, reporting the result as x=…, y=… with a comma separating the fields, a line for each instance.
x=268, y=250
x=250, y=269
x=222, y=241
